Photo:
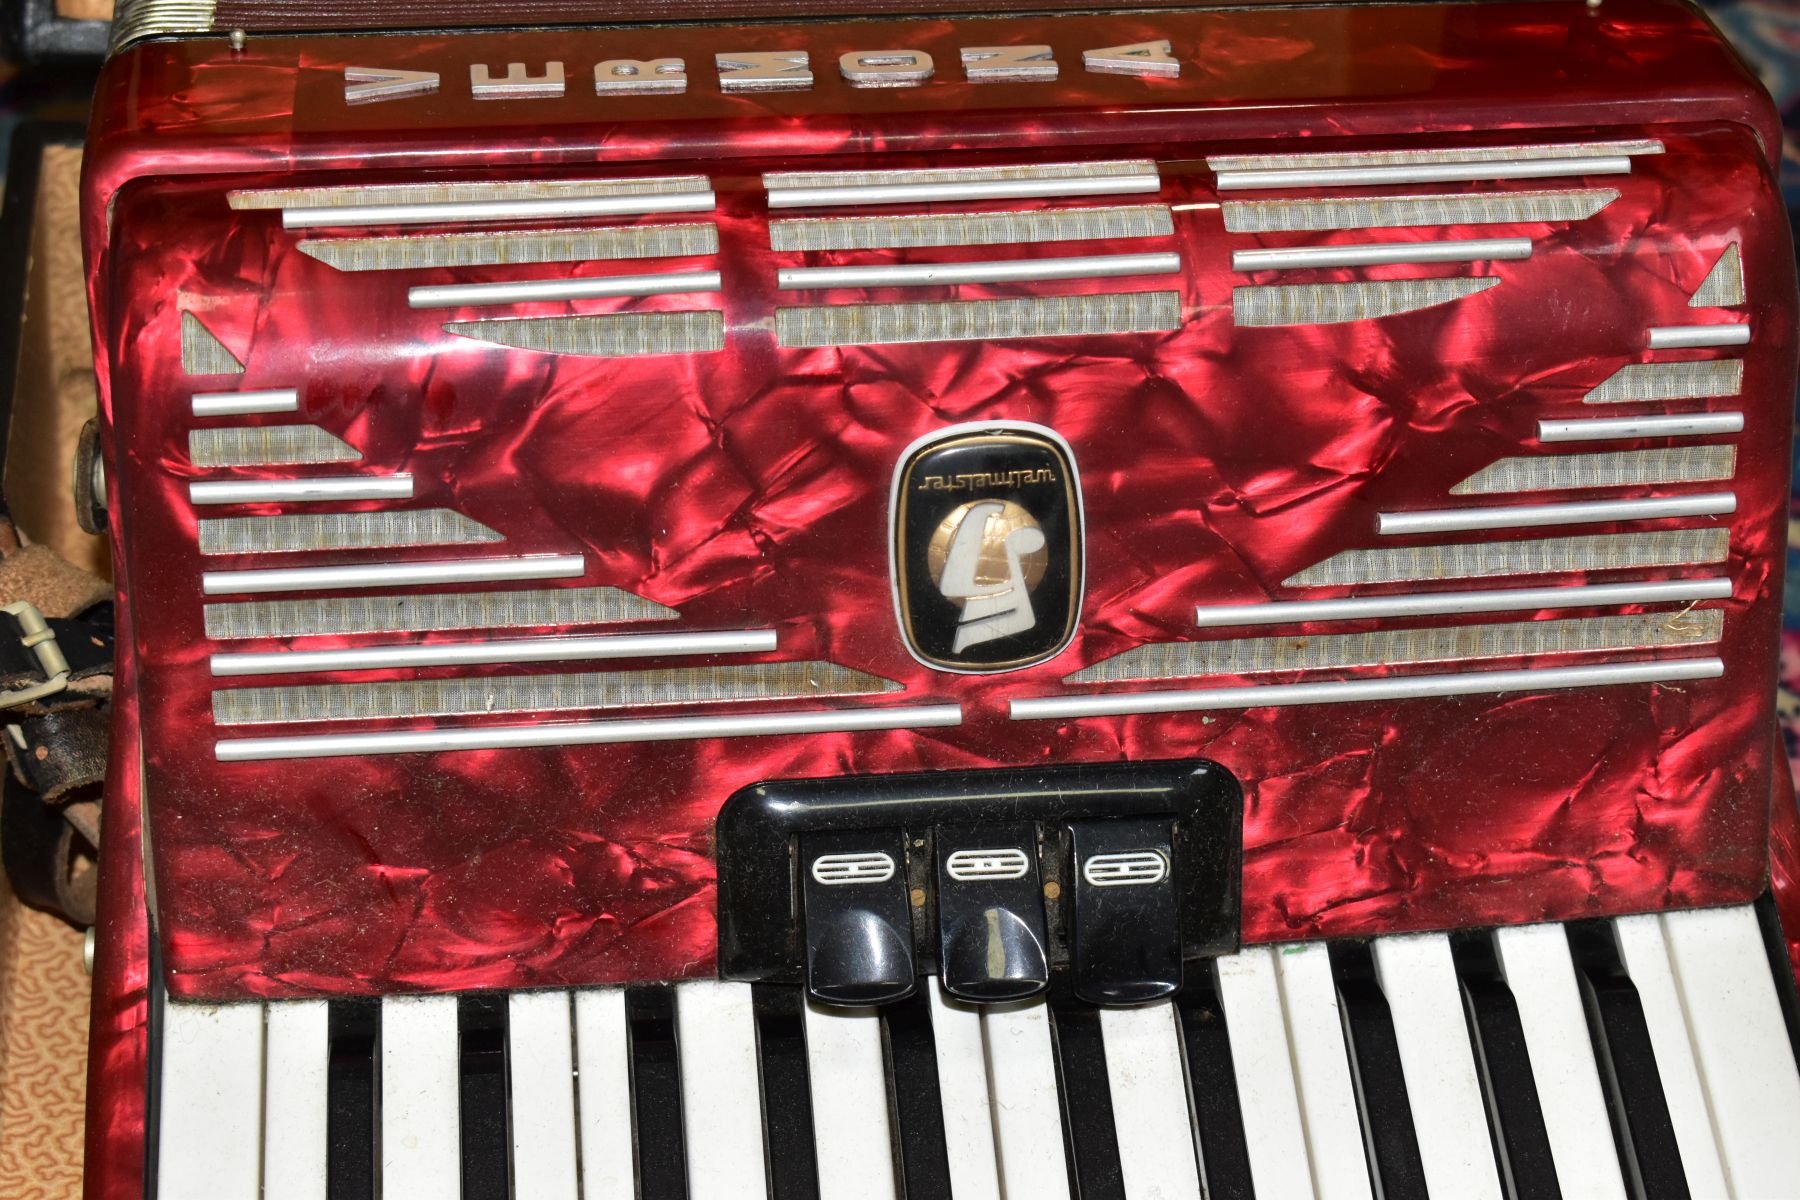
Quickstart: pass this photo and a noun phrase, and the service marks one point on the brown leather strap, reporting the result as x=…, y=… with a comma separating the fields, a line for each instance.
x=60, y=751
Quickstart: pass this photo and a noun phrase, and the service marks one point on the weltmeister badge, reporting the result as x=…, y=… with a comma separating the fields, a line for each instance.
x=986, y=547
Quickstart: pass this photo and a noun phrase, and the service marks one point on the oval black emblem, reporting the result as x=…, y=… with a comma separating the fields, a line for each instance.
x=986, y=547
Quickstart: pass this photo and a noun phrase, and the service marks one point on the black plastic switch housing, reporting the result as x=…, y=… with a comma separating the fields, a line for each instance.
x=992, y=945
x=859, y=940
x=1127, y=933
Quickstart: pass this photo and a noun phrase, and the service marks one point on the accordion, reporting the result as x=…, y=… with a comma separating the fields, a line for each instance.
x=1145, y=604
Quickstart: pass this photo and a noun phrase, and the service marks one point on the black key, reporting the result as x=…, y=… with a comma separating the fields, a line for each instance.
x=1093, y=1145
x=481, y=1077
x=913, y=1093
x=656, y=1094
x=350, y=1107
x=991, y=939
x=859, y=947
x=1642, y=1131
x=787, y=1092
x=1375, y=1069
x=1212, y=1079
x=1126, y=944
x=1515, y=1119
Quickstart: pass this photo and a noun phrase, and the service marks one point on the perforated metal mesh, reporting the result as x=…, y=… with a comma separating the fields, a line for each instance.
x=267, y=445
x=777, y=181
x=293, y=532
x=202, y=353
x=1373, y=212
x=972, y=229
x=1723, y=286
x=1456, y=643
x=333, y=615
x=1683, y=464
x=502, y=248
x=1670, y=381
x=543, y=693
x=979, y=320
x=621, y=335
x=1336, y=303
x=1542, y=556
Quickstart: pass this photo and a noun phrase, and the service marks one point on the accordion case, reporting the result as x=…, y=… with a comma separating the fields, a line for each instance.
x=521, y=442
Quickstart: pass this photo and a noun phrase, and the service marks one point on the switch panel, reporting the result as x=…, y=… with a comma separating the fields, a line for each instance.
x=1103, y=879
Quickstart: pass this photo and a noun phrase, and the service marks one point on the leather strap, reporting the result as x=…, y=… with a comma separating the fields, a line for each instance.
x=60, y=751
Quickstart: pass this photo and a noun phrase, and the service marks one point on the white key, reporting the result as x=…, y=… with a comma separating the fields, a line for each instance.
x=1028, y=1131
x=963, y=1086
x=297, y=1056
x=1274, y=1136
x=540, y=1068
x=721, y=1094
x=1541, y=976
x=1418, y=978
x=1746, y=1061
x=1150, y=1103
x=1646, y=958
x=603, y=1050
x=421, y=1125
x=848, y=1075
x=209, y=1139
x=1315, y=1029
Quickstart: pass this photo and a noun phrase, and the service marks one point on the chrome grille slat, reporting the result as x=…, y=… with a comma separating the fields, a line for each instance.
x=474, y=191
x=1027, y=270
x=813, y=189
x=1431, y=604
x=589, y=733
x=1303, y=160
x=1419, y=172
x=1372, y=254
x=485, y=651
x=1357, y=691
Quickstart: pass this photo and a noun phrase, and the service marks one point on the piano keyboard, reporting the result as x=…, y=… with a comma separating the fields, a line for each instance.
x=1647, y=1056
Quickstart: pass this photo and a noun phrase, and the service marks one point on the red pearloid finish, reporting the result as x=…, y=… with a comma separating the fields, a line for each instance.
x=748, y=488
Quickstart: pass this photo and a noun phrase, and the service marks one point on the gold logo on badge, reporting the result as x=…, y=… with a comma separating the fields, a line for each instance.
x=987, y=556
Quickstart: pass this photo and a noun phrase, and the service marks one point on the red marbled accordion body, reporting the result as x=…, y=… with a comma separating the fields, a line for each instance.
x=748, y=488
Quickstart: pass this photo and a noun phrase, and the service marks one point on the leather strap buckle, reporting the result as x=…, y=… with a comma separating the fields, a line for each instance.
x=39, y=640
